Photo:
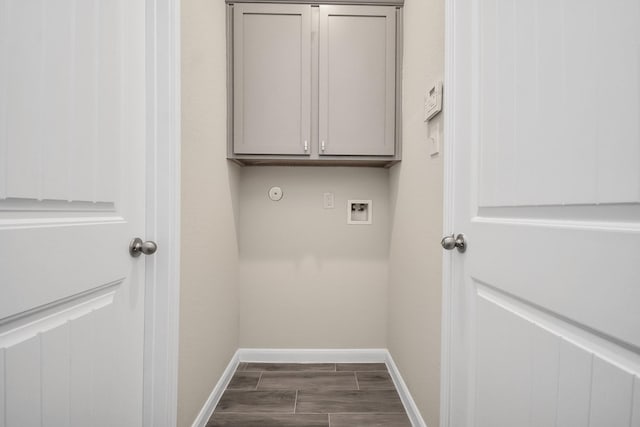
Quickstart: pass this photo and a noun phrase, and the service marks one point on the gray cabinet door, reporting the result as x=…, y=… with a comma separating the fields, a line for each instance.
x=272, y=78
x=357, y=80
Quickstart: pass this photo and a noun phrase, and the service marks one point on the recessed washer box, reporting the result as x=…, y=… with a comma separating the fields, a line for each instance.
x=359, y=211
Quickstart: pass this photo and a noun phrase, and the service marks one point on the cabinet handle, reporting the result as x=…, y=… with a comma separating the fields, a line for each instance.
x=322, y=146
x=306, y=146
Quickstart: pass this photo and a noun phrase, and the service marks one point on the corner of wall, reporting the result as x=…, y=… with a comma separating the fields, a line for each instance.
x=209, y=307
x=416, y=215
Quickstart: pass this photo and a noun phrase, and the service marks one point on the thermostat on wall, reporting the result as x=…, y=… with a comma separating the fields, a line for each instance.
x=433, y=101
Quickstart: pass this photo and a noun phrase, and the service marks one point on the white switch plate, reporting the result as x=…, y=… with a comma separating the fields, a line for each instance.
x=328, y=201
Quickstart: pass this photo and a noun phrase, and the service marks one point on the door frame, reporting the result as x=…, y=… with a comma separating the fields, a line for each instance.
x=162, y=296
x=450, y=262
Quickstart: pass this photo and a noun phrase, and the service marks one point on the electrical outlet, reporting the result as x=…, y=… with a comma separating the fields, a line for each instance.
x=433, y=138
x=328, y=201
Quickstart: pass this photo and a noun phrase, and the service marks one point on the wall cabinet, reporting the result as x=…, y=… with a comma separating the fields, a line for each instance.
x=272, y=79
x=357, y=80
x=313, y=84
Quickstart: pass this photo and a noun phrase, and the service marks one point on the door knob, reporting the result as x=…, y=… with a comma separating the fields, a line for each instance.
x=450, y=242
x=137, y=247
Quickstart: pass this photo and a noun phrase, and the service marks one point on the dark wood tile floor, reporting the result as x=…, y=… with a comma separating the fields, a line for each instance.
x=310, y=395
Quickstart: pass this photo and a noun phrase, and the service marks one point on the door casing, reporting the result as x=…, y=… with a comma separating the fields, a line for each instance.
x=163, y=212
x=448, y=258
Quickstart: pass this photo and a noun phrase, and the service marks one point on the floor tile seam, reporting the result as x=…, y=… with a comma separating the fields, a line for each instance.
x=361, y=368
x=263, y=413
x=316, y=389
x=331, y=413
x=362, y=390
x=315, y=371
x=319, y=389
x=252, y=391
x=365, y=413
x=327, y=373
x=275, y=366
x=307, y=370
x=376, y=389
x=259, y=379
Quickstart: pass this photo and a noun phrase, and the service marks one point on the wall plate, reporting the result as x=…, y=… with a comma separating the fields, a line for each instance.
x=328, y=200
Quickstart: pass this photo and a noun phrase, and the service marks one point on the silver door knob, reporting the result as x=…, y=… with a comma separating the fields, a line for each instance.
x=137, y=247
x=450, y=242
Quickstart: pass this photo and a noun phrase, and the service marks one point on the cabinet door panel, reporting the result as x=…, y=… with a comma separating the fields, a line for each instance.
x=272, y=78
x=357, y=80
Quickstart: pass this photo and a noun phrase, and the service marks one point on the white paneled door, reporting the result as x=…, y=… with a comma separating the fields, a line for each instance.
x=544, y=117
x=72, y=195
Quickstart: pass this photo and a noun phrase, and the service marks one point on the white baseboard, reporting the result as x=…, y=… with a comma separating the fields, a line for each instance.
x=367, y=355
x=294, y=355
x=409, y=405
x=216, y=394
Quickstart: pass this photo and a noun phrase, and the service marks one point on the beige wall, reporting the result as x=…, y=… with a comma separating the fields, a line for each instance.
x=300, y=276
x=416, y=211
x=208, y=297
x=307, y=279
